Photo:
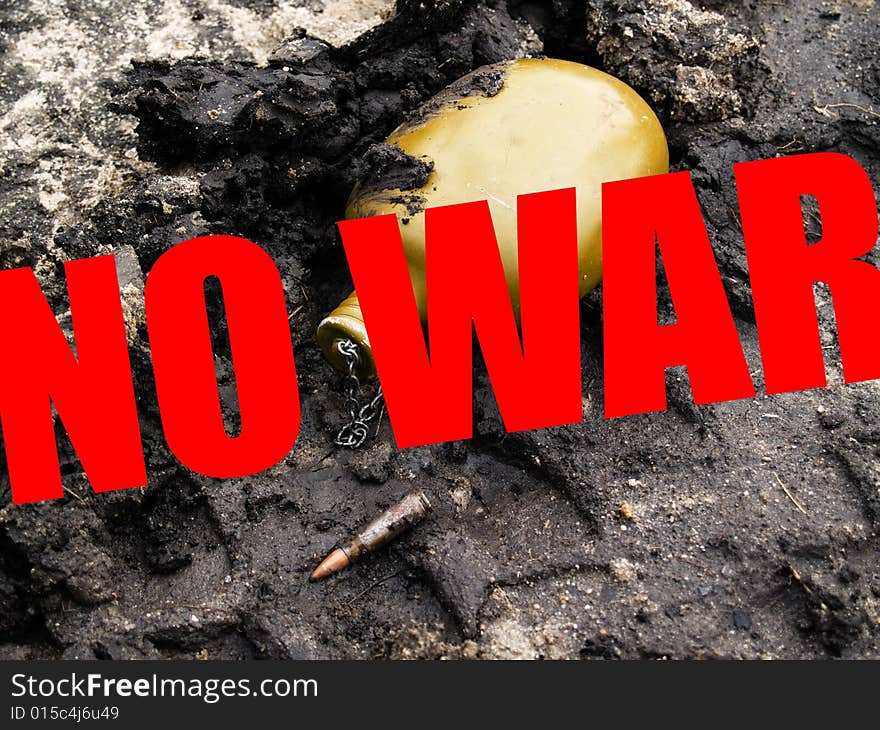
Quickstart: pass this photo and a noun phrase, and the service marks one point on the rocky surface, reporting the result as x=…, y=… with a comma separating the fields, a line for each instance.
x=745, y=529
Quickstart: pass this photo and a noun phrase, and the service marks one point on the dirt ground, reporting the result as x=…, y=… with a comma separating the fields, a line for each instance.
x=743, y=530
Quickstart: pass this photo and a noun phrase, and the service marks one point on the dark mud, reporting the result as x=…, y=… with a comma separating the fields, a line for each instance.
x=485, y=81
x=664, y=535
x=386, y=167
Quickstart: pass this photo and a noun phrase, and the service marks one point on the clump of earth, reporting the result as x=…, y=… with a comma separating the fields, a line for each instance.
x=741, y=530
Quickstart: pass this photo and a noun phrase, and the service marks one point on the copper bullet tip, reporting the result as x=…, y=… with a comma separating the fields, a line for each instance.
x=333, y=563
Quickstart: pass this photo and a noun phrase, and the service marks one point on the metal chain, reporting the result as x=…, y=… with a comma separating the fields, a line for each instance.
x=355, y=432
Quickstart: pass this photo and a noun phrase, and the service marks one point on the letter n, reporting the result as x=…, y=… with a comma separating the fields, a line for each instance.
x=92, y=390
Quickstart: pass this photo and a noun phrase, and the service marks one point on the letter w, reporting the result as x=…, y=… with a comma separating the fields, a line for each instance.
x=430, y=397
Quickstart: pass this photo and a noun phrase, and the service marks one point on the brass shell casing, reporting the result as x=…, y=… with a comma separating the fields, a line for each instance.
x=551, y=124
x=397, y=519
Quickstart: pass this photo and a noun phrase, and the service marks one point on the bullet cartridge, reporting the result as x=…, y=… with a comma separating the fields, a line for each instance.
x=396, y=520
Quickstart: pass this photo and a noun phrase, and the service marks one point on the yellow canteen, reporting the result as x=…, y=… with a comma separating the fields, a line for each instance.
x=504, y=130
